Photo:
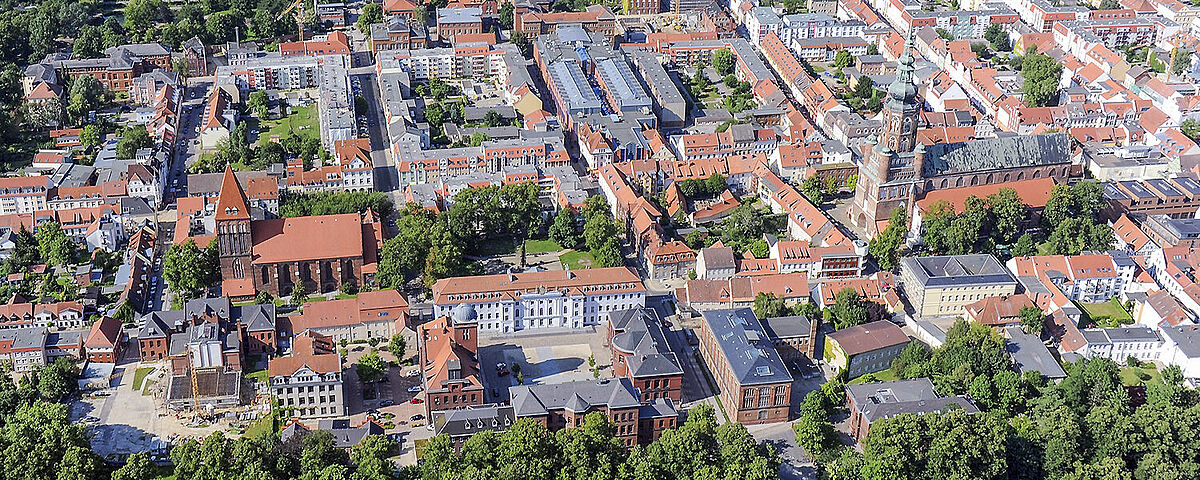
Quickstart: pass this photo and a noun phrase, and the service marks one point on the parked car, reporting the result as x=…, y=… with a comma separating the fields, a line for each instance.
x=413, y=373
x=387, y=403
x=416, y=401
x=501, y=369
x=91, y=420
x=417, y=417
x=415, y=389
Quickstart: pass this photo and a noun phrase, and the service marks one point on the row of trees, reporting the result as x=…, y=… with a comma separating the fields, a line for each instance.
x=600, y=233
x=335, y=203
x=1070, y=223
x=1081, y=428
x=436, y=244
x=698, y=449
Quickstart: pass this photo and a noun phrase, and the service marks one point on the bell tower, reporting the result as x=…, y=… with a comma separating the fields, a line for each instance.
x=892, y=163
x=232, y=220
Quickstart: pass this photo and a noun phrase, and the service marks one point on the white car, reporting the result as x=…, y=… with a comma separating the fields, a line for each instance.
x=415, y=389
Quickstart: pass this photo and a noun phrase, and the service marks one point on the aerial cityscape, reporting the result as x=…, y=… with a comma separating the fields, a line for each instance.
x=600, y=240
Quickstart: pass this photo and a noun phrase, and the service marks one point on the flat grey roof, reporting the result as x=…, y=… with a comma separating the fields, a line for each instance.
x=950, y=270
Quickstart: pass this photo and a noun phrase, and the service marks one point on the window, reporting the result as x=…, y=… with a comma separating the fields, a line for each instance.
x=780, y=396
x=748, y=398
x=764, y=397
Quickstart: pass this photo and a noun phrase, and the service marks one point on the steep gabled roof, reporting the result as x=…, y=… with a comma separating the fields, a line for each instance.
x=231, y=202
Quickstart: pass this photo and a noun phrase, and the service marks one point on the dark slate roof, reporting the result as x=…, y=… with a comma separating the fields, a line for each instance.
x=574, y=396
x=25, y=337
x=718, y=257
x=157, y=324
x=952, y=270
x=880, y=400
x=746, y=346
x=344, y=436
x=467, y=421
x=787, y=327
x=1030, y=354
x=640, y=334
x=658, y=408
x=997, y=153
x=258, y=318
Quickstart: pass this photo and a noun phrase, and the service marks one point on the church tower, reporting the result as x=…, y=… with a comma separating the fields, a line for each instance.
x=891, y=169
x=233, y=228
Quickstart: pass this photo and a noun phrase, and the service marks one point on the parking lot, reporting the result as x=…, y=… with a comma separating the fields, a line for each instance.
x=543, y=358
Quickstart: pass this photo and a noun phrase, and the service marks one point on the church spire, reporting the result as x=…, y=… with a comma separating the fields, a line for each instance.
x=903, y=89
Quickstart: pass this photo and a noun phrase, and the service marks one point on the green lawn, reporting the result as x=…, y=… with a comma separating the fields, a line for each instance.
x=541, y=246
x=1135, y=375
x=1105, y=314
x=260, y=427
x=506, y=246
x=139, y=376
x=259, y=375
x=303, y=122
x=577, y=260
x=884, y=376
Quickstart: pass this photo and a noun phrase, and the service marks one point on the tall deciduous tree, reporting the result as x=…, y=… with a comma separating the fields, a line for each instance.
x=885, y=247
x=563, y=230
x=722, y=61
x=188, y=269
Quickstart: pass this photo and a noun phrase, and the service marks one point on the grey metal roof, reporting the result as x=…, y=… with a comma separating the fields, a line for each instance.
x=880, y=400
x=620, y=84
x=997, y=153
x=345, y=436
x=950, y=270
x=746, y=346
x=573, y=86
x=459, y=15
x=641, y=334
x=787, y=327
x=1030, y=354
x=1187, y=337
x=575, y=396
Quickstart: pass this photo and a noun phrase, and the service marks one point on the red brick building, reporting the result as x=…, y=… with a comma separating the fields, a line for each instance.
x=755, y=385
x=320, y=252
x=105, y=342
x=564, y=405
x=448, y=350
x=642, y=355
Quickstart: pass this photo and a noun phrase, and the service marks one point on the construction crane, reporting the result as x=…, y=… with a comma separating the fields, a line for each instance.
x=298, y=6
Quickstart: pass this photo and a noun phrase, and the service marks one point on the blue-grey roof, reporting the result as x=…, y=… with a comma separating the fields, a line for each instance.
x=577, y=397
x=1186, y=337
x=787, y=327
x=641, y=335
x=997, y=153
x=746, y=346
x=658, y=408
x=1030, y=354
x=952, y=270
x=573, y=87
x=459, y=15
x=468, y=421
x=880, y=400
x=620, y=84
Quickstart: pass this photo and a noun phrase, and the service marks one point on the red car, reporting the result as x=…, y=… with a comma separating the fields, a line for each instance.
x=416, y=401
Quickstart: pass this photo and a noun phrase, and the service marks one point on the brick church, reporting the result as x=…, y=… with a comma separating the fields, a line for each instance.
x=322, y=252
x=897, y=170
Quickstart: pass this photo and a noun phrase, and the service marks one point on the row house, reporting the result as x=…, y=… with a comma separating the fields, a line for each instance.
x=376, y=314
x=226, y=333
x=351, y=172
x=1088, y=278
x=1176, y=197
x=396, y=33
x=30, y=348
x=598, y=19
x=23, y=195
